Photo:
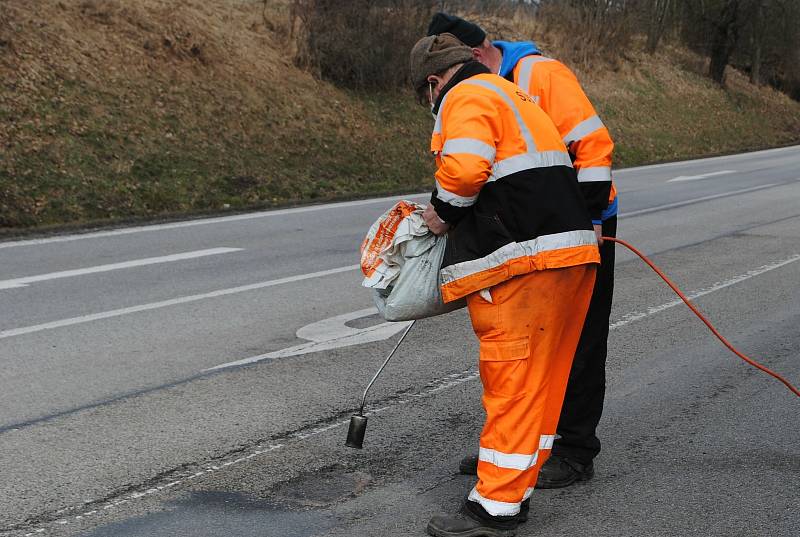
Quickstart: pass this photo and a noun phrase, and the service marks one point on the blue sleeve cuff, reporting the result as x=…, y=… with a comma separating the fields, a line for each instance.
x=611, y=210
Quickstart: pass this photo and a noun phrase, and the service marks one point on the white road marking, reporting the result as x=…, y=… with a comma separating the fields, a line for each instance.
x=172, y=302
x=207, y=221
x=635, y=316
x=328, y=334
x=24, y=282
x=681, y=178
x=695, y=200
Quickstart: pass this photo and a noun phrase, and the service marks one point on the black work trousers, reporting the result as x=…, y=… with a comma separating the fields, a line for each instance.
x=586, y=389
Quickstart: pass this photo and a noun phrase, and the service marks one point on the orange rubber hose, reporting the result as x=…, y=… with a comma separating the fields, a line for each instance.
x=702, y=317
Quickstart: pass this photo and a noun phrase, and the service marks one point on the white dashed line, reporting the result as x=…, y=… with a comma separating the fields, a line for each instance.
x=683, y=178
x=171, y=302
x=695, y=200
x=636, y=316
x=25, y=281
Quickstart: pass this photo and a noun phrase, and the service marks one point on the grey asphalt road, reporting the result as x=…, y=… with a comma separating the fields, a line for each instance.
x=111, y=422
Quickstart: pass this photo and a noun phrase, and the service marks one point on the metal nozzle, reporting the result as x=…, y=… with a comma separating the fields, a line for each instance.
x=356, y=432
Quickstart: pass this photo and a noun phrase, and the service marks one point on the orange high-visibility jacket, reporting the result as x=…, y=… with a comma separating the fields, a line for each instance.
x=557, y=91
x=506, y=181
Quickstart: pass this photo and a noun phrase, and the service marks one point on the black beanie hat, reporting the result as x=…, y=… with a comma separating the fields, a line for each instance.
x=468, y=33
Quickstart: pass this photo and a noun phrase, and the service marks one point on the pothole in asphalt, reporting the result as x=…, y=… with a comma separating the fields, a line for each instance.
x=321, y=488
x=216, y=513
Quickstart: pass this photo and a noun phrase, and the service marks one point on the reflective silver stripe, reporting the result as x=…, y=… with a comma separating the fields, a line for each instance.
x=511, y=461
x=546, y=441
x=526, y=133
x=582, y=129
x=493, y=507
x=470, y=146
x=514, y=250
x=527, y=494
x=454, y=199
x=596, y=173
x=527, y=161
x=437, y=126
x=526, y=69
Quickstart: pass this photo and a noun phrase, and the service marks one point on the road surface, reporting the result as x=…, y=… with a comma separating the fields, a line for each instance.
x=195, y=378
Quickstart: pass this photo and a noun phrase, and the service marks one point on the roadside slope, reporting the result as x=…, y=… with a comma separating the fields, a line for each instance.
x=114, y=109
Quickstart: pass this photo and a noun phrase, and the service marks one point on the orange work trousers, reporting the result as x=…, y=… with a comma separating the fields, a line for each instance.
x=528, y=329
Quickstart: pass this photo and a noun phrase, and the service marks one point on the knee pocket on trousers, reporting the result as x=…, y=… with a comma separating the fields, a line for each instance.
x=504, y=366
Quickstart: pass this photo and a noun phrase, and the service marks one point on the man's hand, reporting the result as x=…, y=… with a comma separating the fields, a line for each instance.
x=433, y=221
x=598, y=230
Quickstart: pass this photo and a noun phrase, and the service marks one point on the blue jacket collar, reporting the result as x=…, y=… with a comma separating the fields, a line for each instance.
x=514, y=52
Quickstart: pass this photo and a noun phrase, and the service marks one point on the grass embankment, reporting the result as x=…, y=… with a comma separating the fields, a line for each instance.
x=114, y=109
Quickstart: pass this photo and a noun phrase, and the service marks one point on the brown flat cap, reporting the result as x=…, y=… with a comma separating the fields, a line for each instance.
x=434, y=54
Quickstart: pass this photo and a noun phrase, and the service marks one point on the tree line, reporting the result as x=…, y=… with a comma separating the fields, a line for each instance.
x=362, y=43
x=760, y=37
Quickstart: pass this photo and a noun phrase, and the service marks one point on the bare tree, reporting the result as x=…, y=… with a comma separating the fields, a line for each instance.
x=757, y=42
x=715, y=24
x=657, y=12
x=769, y=41
x=724, y=38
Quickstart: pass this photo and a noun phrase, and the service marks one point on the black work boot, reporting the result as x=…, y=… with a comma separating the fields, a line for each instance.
x=473, y=521
x=524, y=509
x=558, y=472
x=469, y=465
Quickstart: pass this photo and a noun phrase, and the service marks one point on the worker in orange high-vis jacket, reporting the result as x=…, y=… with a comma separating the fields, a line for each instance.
x=557, y=91
x=522, y=250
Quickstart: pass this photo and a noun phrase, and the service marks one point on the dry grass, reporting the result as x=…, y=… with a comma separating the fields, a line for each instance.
x=114, y=109
x=119, y=108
